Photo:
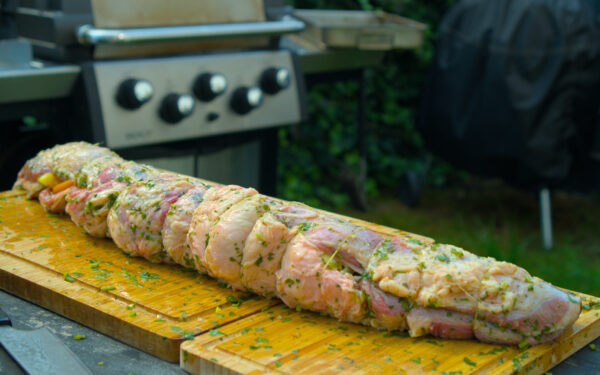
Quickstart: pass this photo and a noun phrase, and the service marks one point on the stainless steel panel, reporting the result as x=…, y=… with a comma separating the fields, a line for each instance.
x=46, y=82
x=124, y=128
x=14, y=54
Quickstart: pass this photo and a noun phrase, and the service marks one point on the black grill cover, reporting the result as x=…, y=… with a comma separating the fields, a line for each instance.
x=514, y=89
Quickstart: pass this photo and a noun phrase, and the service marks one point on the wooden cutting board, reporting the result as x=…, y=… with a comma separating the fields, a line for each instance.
x=46, y=259
x=156, y=308
x=149, y=306
x=280, y=340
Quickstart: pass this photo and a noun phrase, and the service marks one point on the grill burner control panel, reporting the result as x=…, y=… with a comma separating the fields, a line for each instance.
x=149, y=101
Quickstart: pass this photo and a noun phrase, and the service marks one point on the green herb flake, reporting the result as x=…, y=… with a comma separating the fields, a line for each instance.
x=494, y=351
x=145, y=276
x=469, y=362
x=78, y=337
x=523, y=345
x=235, y=301
x=572, y=298
x=187, y=335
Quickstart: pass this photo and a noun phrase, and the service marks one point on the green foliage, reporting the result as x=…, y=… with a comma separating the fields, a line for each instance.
x=320, y=163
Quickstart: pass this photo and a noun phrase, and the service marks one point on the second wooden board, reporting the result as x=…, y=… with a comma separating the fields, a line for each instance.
x=281, y=340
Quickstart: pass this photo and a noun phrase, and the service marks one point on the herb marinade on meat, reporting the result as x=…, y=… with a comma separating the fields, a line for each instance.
x=309, y=259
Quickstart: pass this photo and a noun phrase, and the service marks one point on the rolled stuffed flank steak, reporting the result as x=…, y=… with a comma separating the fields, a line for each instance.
x=307, y=258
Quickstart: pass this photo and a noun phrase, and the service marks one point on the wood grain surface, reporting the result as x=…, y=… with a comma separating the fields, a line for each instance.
x=46, y=259
x=149, y=306
x=281, y=340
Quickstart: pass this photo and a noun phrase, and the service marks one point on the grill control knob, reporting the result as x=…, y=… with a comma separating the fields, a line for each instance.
x=209, y=85
x=176, y=107
x=133, y=93
x=245, y=99
x=274, y=80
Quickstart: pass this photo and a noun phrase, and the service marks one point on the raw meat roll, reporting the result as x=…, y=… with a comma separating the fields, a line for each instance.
x=268, y=241
x=216, y=201
x=62, y=161
x=460, y=294
x=102, y=180
x=136, y=220
x=91, y=176
x=55, y=201
x=227, y=237
x=177, y=225
x=310, y=278
x=89, y=208
x=309, y=259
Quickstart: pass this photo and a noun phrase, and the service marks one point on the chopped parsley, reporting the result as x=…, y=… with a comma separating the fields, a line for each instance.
x=469, y=362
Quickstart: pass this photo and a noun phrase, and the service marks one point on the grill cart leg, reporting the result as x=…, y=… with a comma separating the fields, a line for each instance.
x=546, y=217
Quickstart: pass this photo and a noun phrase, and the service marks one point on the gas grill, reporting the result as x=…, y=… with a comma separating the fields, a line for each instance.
x=199, y=87
x=144, y=76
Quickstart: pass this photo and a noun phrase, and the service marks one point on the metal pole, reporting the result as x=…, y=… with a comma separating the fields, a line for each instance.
x=546, y=218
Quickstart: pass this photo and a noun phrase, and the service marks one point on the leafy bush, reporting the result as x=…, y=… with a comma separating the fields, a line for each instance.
x=321, y=165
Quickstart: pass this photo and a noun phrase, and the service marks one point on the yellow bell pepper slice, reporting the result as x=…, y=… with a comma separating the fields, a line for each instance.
x=48, y=179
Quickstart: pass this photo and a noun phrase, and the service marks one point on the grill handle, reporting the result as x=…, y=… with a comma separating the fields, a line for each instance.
x=89, y=35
